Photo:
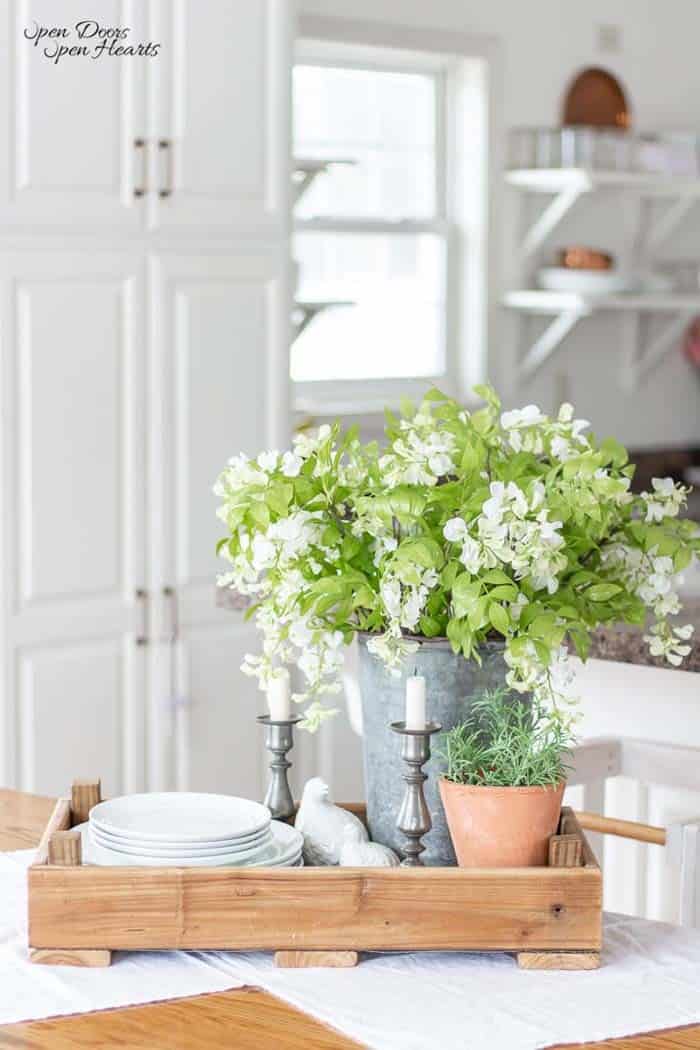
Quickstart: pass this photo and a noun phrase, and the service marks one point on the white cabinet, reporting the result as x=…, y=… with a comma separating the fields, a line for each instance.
x=143, y=340
x=73, y=553
x=220, y=122
x=194, y=138
x=68, y=129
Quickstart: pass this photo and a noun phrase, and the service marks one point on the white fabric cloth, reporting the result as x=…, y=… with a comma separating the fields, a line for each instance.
x=650, y=979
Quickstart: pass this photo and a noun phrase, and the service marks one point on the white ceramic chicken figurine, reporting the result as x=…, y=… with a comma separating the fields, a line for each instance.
x=357, y=852
x=323, y=825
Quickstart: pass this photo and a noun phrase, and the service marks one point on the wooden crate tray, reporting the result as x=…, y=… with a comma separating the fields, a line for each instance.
x=550, y=917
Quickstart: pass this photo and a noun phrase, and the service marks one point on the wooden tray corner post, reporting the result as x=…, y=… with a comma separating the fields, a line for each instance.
x=60, y=846
x=567, y=849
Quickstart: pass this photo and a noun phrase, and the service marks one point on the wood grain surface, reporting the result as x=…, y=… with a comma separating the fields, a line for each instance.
x=236, y=1020
x=364, y=908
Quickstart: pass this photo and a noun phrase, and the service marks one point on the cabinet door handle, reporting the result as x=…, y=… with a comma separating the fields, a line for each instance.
x=165, y=148
x=142, y=189
x=142, y=599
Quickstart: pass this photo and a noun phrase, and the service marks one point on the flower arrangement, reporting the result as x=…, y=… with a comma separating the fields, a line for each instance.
x=465, y=525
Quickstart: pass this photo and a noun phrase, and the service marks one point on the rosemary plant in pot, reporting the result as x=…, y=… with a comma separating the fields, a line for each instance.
x=505, y=773
x=474, y=547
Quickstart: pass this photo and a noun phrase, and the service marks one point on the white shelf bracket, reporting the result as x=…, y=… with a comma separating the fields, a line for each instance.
x=550, y=219
x=667, y=222
x=550, y=340
x=303, y=313
x=305, y=171
x=667, y=338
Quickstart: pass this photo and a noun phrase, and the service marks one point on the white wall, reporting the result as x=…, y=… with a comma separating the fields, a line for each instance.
x=542, y=44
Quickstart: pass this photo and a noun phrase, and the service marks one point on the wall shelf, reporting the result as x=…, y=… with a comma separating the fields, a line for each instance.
x=567, y=186
x=567, y=309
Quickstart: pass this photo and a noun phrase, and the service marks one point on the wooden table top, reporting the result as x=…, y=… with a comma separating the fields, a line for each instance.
x=242, y=1019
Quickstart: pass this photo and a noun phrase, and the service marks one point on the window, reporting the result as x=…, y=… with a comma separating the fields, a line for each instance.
x=370, y=230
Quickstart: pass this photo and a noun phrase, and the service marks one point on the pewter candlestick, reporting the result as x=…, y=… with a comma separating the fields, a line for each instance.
x=414, y=816
x=279, y=739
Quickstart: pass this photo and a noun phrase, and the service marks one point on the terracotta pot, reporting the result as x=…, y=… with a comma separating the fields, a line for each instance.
x=501, y=827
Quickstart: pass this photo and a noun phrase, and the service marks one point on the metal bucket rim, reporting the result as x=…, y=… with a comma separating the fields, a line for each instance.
x=440, y=642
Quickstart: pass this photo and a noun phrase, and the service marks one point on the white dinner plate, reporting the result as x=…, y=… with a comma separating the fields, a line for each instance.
x=283, y=851
x=267, y=848
x=180, y=817
x=164, y=849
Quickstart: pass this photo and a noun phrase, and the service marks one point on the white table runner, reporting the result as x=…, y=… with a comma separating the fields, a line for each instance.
x=650, y=979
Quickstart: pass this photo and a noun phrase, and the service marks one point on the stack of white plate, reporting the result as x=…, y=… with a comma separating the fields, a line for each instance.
x=176, y=829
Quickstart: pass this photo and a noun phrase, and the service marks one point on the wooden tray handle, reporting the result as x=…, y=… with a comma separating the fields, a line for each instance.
x=626, y=829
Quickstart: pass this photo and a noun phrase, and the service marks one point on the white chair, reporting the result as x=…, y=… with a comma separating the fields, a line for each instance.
x=648, y=762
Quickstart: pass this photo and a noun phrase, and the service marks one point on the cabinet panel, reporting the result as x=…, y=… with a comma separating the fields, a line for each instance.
x=68, y=125
x=218, y=741
x=70, y=388
x=73, y=382
x=222, y=109
x=70, y=715
x=219, y=325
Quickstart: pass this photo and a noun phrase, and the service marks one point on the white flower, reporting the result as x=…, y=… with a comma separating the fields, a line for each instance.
x=440, y=464
x=471, y=556
x=665, y=501
x=392, y=649
x=291, y=464
x=263, y=552
x=664, y=486
x=663, y=641
x=493, y=507
x=268, y=460
x=560, y=448
x=455, y=530
x=522, y=417
x=390, y=591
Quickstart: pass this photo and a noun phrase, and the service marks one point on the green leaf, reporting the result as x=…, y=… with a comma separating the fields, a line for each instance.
x=477, y=614
x=429, y=626
x=422, y=551
x=456, y=632
x=486, y=392
x=682, y=559
x=495, y=576
x=278, y=497
x=450, y=573
x=465, y=592
x=602, y=592
x=408, y=409
x=499, y=618
x=259, y=516
x=613, y=452
x=506, y=592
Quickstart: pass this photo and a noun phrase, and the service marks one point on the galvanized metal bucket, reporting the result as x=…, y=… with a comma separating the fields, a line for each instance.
x=451, y=682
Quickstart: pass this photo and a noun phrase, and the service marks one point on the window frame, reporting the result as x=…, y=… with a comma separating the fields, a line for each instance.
x=463, y=226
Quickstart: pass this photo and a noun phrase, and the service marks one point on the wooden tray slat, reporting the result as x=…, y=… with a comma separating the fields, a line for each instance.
x=314, y=908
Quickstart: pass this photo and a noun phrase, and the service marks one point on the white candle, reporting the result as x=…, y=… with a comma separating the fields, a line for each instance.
x=279, y=697
x=415, y=702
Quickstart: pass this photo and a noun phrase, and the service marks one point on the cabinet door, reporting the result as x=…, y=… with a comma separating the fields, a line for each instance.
x=220, y=378
x=72, y=380
x=68, y=125
x=221, y=120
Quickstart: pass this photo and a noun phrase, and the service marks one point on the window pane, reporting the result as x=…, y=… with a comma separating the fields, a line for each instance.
x=385, y=122
x=395, y=327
